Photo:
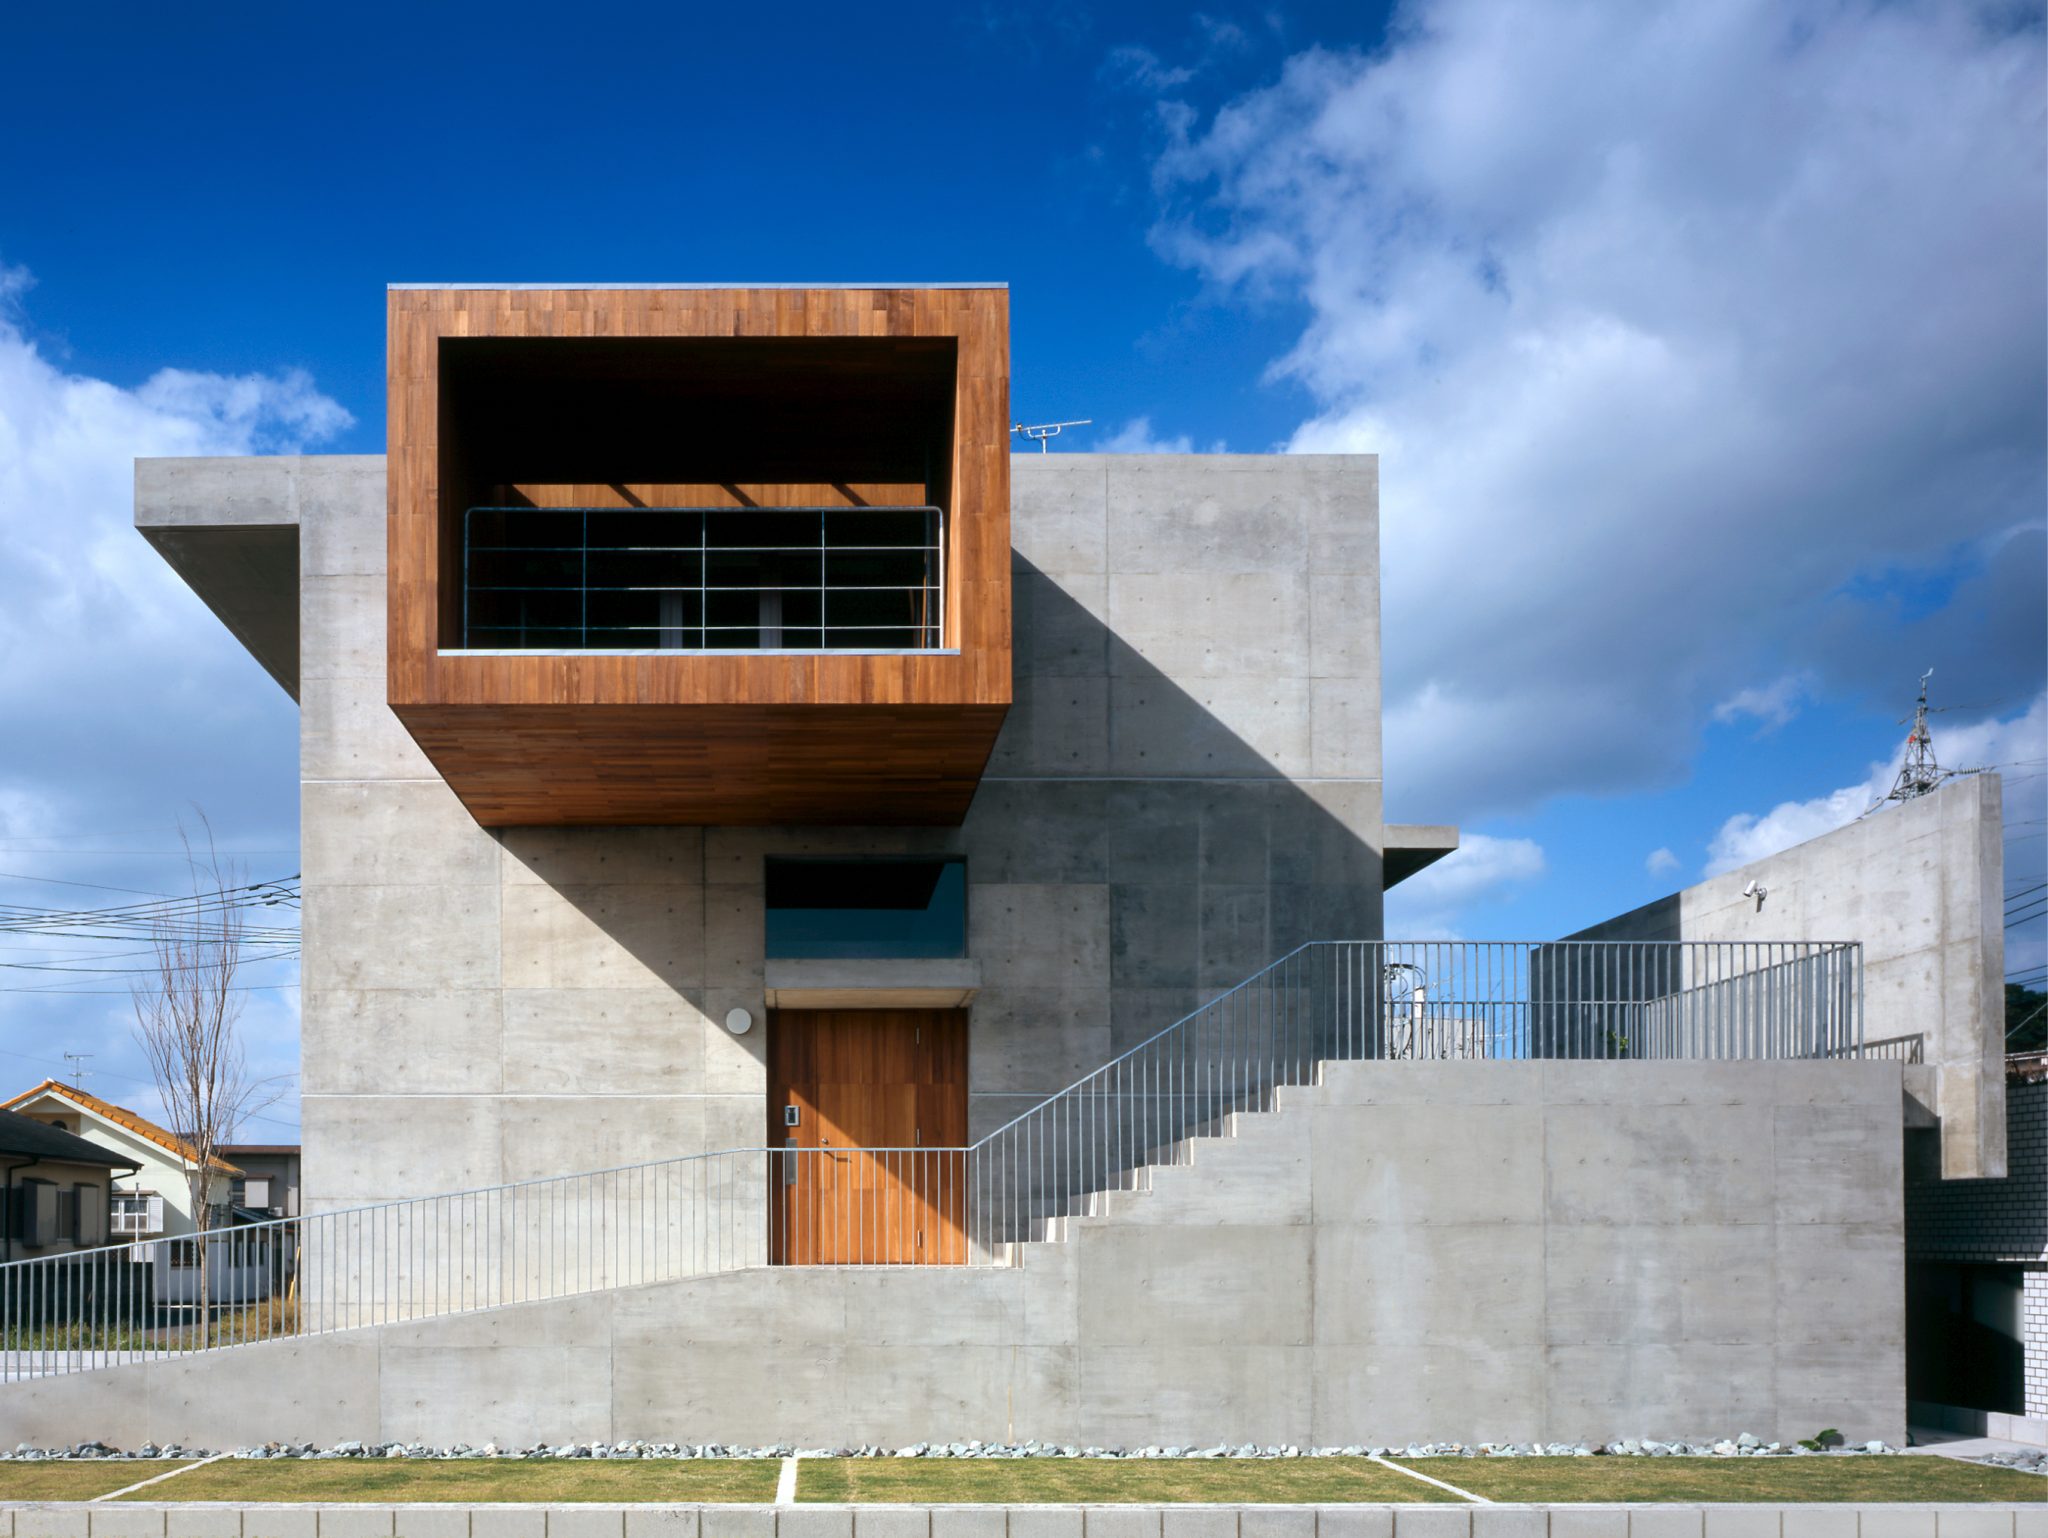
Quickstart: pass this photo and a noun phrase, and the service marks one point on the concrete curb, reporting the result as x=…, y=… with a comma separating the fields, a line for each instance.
x=242, y=1519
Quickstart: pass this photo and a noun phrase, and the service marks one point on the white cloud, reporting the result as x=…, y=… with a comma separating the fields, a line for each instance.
x=1483, y=868
x=1136, y=437
x=2018, y=747
x=1143, y=70
x=1773, y=704
x=125, y=701
x=1669, y=321
x=1661, y=862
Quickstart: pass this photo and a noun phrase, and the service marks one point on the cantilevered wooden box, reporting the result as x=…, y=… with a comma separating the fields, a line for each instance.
x=697, y=555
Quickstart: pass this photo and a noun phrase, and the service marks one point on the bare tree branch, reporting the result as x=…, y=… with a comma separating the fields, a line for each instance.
x=187, y=1021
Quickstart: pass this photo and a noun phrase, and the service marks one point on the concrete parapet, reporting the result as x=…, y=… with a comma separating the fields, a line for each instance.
x=891, y=1522
x=1432, y=1522
x=1120, y=1522
x=224, y=1522
x=817, y=1522
x=1207, y=1522
x=280, y=1522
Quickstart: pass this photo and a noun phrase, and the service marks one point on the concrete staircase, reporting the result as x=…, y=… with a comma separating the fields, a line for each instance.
x=1232, y=1172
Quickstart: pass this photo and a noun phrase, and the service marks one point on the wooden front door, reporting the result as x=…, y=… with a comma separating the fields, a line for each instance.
x=871, y=1172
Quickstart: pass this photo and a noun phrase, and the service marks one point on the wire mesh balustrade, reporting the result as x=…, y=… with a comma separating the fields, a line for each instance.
x=705, y=1214
x=697, y=579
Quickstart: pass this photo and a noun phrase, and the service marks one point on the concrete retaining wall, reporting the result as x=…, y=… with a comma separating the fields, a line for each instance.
x=1920, y=1520
x=1921, y=885
x=1405, y=1252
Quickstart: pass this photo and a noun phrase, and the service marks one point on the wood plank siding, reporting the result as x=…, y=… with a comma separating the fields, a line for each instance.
x=874, y=1174
x=736, y=398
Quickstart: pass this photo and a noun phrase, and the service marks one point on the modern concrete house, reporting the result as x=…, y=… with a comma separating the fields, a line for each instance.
x=818, y=930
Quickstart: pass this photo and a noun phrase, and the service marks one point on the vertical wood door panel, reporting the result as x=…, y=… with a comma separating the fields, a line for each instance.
x=872, y=1175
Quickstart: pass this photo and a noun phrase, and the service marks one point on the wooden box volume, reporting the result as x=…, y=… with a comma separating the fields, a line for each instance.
x=586, y=737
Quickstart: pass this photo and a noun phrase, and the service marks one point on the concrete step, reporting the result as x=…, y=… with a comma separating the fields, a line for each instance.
x=1248, y=1172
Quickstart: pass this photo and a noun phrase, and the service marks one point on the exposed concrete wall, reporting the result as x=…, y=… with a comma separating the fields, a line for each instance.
x=1921, y=885
x=1188, y=786
x=1475, y=1251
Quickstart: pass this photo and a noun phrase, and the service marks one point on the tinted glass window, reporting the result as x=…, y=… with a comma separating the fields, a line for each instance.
x=875, y=909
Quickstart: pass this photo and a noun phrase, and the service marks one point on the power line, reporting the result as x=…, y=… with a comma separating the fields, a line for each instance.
x=31, y=966
x=13, y=848
x=126, y=993
x=10, y=875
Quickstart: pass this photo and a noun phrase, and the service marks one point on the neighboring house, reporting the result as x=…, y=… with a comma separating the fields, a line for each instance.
x=152, y=1207
x=156, y=1200
x=59, y=1188
x=867, y=939
x=268, y=1185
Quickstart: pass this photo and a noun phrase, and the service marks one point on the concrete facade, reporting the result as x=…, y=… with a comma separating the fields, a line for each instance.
x=1187, y=787
x=1921, y=886
x=1406, y=1251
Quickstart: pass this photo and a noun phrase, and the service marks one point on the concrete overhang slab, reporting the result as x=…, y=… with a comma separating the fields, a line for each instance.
x=230, y=529
x=1413, y=846
x=919, y=984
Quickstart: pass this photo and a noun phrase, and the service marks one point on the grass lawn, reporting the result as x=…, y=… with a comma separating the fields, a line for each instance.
x=1732, y=1479
x=471, y=1479
x=79, y=1481
x=979, y=1480
x=982, y=1481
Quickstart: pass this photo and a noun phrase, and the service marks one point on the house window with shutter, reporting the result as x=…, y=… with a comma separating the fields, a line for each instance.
x=39, y=1201
x=90, y=1226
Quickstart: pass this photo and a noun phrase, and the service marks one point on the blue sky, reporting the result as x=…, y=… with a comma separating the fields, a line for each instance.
x=1703, y=347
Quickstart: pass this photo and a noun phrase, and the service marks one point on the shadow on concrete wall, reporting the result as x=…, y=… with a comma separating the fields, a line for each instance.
x=1130, y=856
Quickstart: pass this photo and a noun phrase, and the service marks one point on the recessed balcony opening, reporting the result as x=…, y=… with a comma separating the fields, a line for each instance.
x=696, y=494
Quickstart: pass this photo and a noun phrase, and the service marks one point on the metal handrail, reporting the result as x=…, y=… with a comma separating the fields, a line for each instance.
x=923, y=633
x=1025, y=1181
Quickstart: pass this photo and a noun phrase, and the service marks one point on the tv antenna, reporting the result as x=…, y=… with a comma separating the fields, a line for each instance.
x=1920, y=773
x=1041, y=433
x=77, y=1061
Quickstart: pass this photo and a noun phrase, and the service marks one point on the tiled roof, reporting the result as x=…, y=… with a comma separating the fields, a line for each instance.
x=121, y=1116
x=39, y=1140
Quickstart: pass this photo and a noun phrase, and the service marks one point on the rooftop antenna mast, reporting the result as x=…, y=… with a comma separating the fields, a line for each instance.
x=1919, y=773
x=1040, y=432
x=77, y=1060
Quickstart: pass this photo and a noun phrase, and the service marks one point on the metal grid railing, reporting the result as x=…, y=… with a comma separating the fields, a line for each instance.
x=698, y=579
x=708, y=1213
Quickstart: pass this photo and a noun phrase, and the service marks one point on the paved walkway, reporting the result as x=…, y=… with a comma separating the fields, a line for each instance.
x=1953, y=1444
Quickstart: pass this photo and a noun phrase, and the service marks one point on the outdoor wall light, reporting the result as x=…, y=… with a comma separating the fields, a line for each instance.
x=738, y=1021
